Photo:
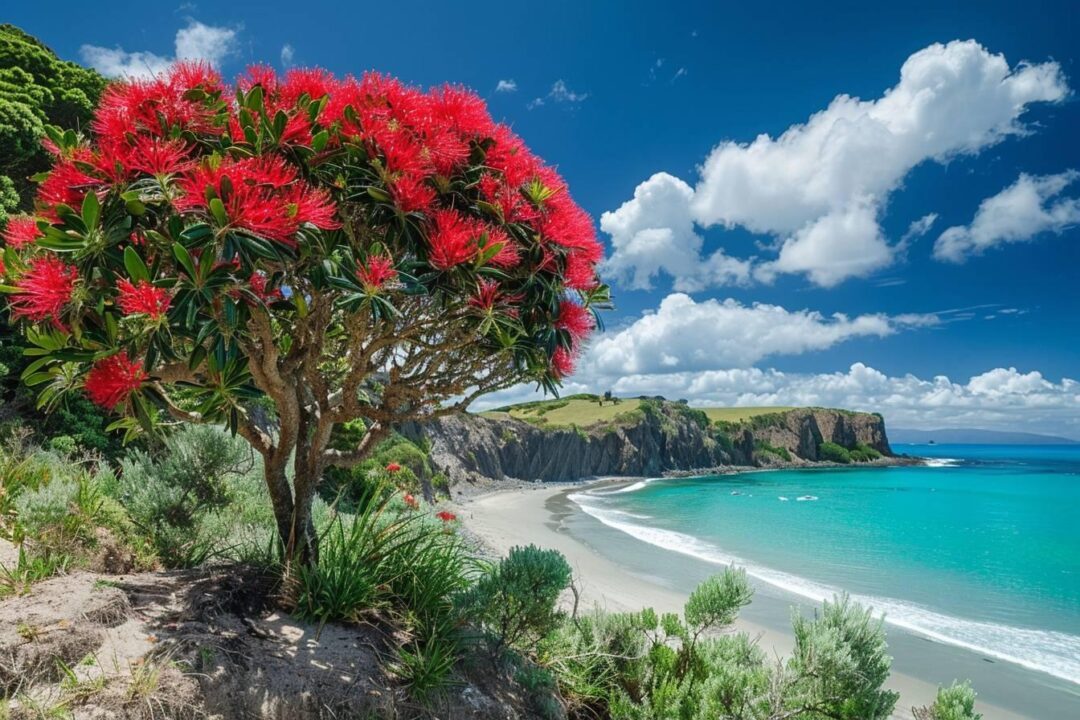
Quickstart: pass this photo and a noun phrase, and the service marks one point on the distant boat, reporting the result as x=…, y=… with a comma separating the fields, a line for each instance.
x=931, y=443
x=736, y=492
x=804, y=498
x=783, y=499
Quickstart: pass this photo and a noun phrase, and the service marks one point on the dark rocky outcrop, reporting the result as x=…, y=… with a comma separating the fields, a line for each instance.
x=664, y=437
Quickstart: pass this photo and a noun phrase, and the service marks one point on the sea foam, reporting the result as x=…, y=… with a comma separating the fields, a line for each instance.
x=1052, y=652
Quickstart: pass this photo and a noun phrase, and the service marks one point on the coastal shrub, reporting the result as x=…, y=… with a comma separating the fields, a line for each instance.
x=515, y=603
x=762, y=446
x=840, y=663
x=956, y=702
x=831, y=452
x=173, y=491
x=645, y=665
x=864, y=453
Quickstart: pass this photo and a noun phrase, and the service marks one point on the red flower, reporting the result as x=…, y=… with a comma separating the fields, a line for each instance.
x=563, y=361
x=264, y=196
x=452, y=239
x=257, y=283
x=378, y=271
x=392, y=467
x=44, y=289
x=112, y=379
x=21, y=230
x=446, y=516
x=575, y=320
x=510, y=157
x=142, y=298
x=150, y=155
x=580, y=271
x=411, y=501
x=460, y=109
x=3, y=270
x=67, y=184
x=412, y=193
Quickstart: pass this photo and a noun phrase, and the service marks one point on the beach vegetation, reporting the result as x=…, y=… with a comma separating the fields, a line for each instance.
x=864, y=453
x=766, y=448
x=956, y=702
x=831, y=452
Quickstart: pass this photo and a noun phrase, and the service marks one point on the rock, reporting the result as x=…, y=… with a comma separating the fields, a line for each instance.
x=668, y=438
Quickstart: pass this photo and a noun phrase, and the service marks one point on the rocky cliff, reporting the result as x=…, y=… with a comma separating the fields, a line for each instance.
x=658, y=437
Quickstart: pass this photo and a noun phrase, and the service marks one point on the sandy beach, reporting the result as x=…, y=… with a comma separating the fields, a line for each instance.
x=523, y=515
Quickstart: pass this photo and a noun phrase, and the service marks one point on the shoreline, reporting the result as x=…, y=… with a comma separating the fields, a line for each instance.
x=502, y=517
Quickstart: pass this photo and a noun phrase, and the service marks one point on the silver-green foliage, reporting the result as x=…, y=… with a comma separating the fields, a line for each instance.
x=668, y=667
x=956, y=702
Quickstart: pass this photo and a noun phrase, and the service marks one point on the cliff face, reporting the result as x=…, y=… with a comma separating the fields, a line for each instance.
x=666, y=437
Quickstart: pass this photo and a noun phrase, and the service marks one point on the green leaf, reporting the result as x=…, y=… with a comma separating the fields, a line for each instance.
x=135, y=207
x=319, y=140
x=184, y=259
x=135, y=266
x=91, y=210
x=380, y=195
x=217, y=208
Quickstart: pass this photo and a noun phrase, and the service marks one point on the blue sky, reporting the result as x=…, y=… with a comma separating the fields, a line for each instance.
x=809, y=226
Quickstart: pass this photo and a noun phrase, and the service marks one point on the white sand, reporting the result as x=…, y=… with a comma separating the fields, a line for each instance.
x=519, y=516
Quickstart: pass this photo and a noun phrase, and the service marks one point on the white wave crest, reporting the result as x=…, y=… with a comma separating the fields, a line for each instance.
x=941, y=462
x=1052, y=652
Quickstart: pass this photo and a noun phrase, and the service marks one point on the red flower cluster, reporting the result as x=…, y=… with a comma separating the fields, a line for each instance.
x=446, y=516
x=411, y=502
x=456, y=239
x=113, y=379
x=264, y=196
x=21, y=230
x=378, y=271
x=142, y=298
x=575, y=320
x=563, y=362
x=44, y=289
x=393, y=467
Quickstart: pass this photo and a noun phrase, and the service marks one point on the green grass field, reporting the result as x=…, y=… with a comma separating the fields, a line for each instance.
x=738, y=414
x=584, y=411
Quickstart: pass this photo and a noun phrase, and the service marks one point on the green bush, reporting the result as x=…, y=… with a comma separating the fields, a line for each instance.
x=956, y=702
x=644, y=665
x=761, y=446
x=864, y=453
x=831, y=452
x=172, y=493
x=515, y=603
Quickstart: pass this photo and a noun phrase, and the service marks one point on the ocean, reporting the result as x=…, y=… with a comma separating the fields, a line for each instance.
x=978, y=551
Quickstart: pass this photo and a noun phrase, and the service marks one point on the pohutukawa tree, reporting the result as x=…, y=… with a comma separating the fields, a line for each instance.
x=326, y=249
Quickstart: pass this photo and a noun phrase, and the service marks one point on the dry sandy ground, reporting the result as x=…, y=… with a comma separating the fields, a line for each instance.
x=518, y=516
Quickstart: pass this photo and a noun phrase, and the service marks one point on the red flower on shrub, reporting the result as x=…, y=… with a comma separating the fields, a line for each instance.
x=21, y=230
x=264, y=196
x=411, y=501
x=142, y=298
x=446, y=516
x=113, y=379
x=452, y=238
x=378, y=271
x=563, y=361
x=393, y=467
x=575, y=320
x=44, y=289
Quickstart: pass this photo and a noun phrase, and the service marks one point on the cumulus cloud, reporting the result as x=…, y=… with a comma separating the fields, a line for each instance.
x=197, y=41
x=820, y=187
x=1016, y=214
x=686, y=335
x=506, y=86
x=1001, y=398
x=654, y=233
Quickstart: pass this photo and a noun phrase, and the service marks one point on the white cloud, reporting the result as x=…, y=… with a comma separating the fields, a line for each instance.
x=654, y=232
x=919, y=228
x=197, y=41
x=1016, y=214
x=683, y=335
x=821, y=187
x=1002, y=398
x=288, y=53
x=507, y=86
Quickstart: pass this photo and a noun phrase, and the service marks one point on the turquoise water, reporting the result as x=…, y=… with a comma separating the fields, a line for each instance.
x=980, y=550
